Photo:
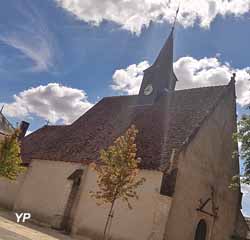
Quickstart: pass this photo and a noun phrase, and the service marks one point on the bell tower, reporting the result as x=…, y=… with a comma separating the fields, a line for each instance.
x=159, y=78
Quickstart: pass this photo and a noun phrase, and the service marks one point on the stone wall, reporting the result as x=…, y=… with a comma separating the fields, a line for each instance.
x=146, y=221
x=242, y=228
x=207, y=164
x=9, y=191
x=45, y=190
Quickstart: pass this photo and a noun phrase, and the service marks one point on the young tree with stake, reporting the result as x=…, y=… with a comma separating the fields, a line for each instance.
x=117, y=173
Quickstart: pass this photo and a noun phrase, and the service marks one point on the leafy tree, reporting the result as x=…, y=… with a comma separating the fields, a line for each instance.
x=118, y=173
x=244, y=138
x=10, y=160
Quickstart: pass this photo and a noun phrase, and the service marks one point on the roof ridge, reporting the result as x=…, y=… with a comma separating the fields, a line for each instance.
x=42, y=128
x=56, y=125
x=134, y=95
x=178, y=90
x=216, y=86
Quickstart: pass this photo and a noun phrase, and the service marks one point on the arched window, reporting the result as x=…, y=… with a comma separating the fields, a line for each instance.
x=201, y=231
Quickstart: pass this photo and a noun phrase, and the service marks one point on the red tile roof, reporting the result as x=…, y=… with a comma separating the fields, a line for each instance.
x=164, y=126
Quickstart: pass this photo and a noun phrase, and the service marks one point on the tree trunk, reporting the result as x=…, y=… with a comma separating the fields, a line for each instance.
x=108, y=219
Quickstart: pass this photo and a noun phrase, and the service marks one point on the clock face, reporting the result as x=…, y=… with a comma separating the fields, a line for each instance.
x=148, y=89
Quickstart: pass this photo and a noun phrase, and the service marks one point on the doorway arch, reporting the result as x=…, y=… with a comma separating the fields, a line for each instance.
x=201, y=230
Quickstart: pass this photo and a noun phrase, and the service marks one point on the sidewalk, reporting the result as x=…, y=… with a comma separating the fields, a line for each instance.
x=10, y=230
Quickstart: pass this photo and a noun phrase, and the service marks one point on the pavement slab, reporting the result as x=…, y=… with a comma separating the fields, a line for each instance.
x=10, y=230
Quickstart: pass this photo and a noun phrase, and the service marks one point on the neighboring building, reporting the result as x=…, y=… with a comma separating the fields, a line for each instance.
x=185, y=142
x=5, y=127
x=9, y=189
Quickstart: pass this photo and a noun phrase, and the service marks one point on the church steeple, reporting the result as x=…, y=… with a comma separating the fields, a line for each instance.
x=166, y=53
x=159, y=78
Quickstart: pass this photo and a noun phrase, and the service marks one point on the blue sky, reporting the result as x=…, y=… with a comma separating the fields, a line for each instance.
x=59, y=57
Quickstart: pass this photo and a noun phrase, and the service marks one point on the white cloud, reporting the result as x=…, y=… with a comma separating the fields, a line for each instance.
x=246, y=199
x=129, y=80
x=37, y=50
x=28, y=132
x=52, y=102
x=31, y=37
x=191, y=73
x=134, y=15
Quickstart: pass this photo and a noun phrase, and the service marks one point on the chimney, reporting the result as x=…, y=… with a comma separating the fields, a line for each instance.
x=23, y=129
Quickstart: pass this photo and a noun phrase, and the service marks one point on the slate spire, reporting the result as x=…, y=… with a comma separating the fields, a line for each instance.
x=166, y=53
x=159, y=78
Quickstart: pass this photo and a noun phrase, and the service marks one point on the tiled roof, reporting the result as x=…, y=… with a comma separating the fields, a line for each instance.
x=164, y=126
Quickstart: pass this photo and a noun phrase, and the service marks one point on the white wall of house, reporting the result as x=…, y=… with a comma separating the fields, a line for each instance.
x=45, y=190
x=9, y=191
x=146, y=220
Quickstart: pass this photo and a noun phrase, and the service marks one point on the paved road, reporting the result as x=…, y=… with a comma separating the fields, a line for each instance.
x=10, y=230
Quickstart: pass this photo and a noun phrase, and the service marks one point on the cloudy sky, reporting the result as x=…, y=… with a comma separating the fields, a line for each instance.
x=59, y=57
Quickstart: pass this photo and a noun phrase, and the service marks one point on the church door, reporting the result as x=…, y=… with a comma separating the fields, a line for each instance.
x=67, y=217
x=201, y=231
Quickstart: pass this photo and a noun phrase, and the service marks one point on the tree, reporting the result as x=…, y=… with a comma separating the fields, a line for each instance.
x=244, y=138
x=10, y=160
x=117, y=173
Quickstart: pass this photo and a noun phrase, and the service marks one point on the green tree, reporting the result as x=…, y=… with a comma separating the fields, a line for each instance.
x=244, y=138
x=10, y=160
x=117, y=173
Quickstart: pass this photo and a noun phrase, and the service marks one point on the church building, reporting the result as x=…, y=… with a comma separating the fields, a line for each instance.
x=184, y=141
